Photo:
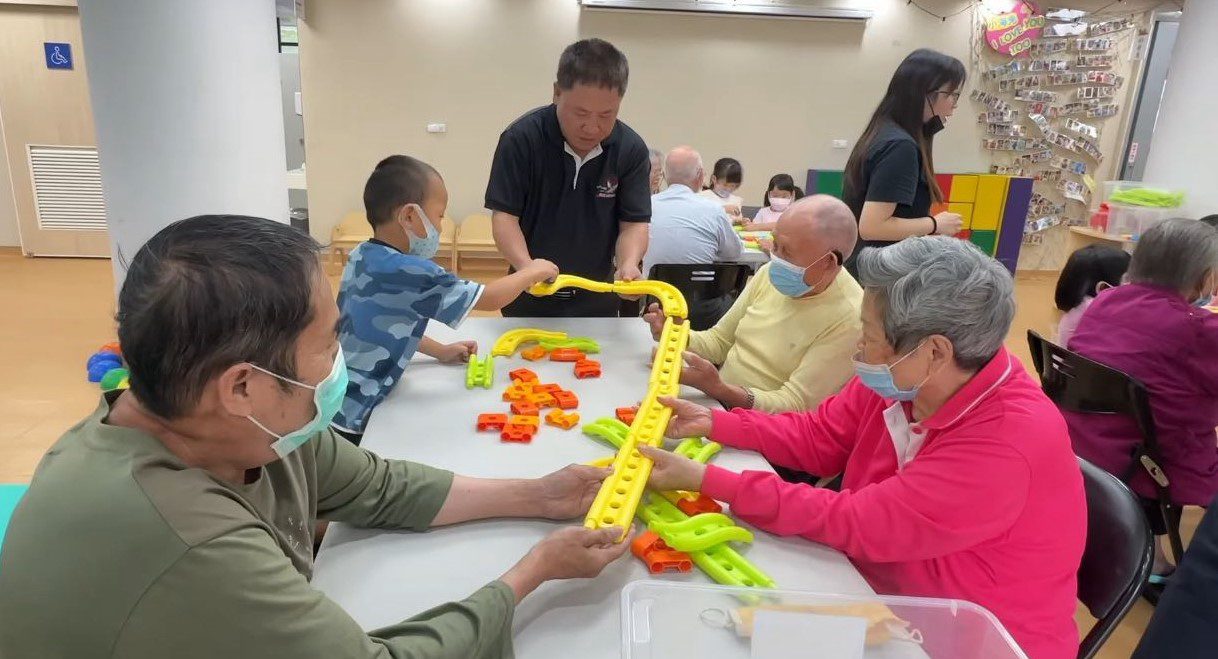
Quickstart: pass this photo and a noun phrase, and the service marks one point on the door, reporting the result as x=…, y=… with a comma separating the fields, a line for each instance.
x=47, y=125
x=1150, y=94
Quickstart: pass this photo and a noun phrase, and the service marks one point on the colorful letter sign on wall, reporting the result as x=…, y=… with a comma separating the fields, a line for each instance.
x=1012, y=32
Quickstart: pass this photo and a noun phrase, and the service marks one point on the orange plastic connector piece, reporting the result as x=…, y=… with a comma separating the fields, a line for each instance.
x=112, y=347
x=523, y=375
x=699, y=505
x=524, y=420
x=520, y=434
x=541, y=399
x=562, y=420
x=659, y=557
x=566, y=400
x=525, y=407
x=587, y=368
x=547, y=388
x=626, y=414
x=534, y=353
x=491, y=422
x=566, y=355
x=518, y=391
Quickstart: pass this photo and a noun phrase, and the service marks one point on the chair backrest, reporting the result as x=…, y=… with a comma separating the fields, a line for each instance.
x=448, y=231
x=749, y=211
x=476, y=230
x=1118, y=555
x=703, y=281
x=353, y=226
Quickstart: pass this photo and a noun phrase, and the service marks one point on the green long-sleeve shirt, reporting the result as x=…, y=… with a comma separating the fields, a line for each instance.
x=121, y=550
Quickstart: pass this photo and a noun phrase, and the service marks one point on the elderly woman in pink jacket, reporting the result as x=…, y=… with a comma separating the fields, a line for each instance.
x=958, y=478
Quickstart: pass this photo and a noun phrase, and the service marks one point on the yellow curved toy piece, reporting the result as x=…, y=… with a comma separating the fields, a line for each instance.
x=620, y=493
x=602, y=462
x=506, y=344
x=670, y=298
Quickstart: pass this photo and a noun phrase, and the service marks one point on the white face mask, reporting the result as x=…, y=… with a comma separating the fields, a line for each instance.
x=779, y=204
x=723, y=193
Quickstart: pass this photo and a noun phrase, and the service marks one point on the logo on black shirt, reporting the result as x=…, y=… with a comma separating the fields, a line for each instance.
x=607, y=189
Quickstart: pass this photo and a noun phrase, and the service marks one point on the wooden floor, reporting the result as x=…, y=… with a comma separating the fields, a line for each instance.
x=61, y=310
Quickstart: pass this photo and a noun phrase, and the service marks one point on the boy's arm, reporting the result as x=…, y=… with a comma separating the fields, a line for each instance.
x=500, y=292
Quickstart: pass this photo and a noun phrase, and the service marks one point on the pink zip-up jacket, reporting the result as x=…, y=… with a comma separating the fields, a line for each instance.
x=986, y=503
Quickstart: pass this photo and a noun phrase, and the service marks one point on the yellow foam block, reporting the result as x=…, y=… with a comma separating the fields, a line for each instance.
x=965, y=211
x=991, y=200
x=964, y=188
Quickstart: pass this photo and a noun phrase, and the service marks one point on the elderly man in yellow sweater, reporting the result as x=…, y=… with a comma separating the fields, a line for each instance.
x=787, y=342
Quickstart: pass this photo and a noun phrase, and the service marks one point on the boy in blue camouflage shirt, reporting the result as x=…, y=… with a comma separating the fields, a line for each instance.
x=391, y=288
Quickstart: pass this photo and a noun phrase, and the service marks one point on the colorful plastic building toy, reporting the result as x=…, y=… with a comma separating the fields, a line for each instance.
x=522, y=375
x=566, y=355
x=720, y=562
x=112, y=348
x=587, y=368
x=491, y=422
x=541, y=399
x=626, y=414
x=601, y=462
x=507, y=343
x=480, y=372
x=100, y=363
x=533, y=354
x=548, y=388
x=562, y=419
x=523, y=420
x=610, y=431
x=524, y=407
x=698, y=505
x=566, y=400
x=658, y=556
x=700, y=532
x=697, y=450
x=518, y=434
x=114, y=379
x=517, y=391
x=582, y=343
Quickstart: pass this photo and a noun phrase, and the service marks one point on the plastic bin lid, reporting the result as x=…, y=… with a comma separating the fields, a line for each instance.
x=663, y=619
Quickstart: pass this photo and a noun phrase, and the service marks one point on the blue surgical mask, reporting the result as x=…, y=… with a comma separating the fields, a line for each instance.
x=427, y=246
x=327, y=398
x=878, y=378
x=788, y=278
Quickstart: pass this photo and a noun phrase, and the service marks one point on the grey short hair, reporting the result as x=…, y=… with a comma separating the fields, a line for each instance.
x=940, y=285
x=657, y=156
x=1175, y=254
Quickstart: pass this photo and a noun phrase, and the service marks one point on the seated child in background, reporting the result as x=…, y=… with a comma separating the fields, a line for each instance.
x=390, y=288
x=1087, y=272
x=778, y=195
x=724, y=181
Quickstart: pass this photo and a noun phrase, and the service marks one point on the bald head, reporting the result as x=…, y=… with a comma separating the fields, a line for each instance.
x=814, y=226
x=684, y=165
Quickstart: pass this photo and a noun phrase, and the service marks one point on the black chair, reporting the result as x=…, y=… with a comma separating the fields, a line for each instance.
x=749, y=212
x=1118, y=556
x=1078, y=384
x=709, y=289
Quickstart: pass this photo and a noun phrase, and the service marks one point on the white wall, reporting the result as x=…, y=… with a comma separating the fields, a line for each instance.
x=772, y=93
x=9, y=235
x=186, y=100
x=1184, y=152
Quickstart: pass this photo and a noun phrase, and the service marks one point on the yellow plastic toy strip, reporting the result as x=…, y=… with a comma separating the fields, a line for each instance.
x=602, y=462
x=619, y=496
x=505, y=345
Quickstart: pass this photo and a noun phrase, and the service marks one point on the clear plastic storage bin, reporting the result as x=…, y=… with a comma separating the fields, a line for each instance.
x=1134, y=221
x=1110, y=187
x=668, y=620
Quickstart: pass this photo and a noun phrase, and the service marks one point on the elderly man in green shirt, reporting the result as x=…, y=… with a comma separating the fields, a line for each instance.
x=177, y=519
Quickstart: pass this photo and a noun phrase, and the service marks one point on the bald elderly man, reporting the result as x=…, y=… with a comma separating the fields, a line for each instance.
x=787, y=342
x=687, y=228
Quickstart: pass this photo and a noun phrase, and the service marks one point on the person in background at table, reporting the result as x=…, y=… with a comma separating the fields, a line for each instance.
x=391, y=289
x=778, y=196
x=785, y=344
x=1154, y=329
x=656, y=158
x=959, y=481
x=177, y=519
x=1088, y=271
x=686, y=228
x=890, y=175
x=725, y=179
x=570, y=183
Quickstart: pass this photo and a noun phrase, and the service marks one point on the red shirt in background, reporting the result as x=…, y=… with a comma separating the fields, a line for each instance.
x=987, y=504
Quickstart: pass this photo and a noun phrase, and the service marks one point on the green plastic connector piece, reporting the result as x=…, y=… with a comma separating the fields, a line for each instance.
x=697, y=450
x=721, y=563
x=701, y=532
x=581, y=343
x=480, y=372
x=608, y=430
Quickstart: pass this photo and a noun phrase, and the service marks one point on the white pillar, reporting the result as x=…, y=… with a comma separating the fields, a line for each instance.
x=186, y=103
x=1182, y=152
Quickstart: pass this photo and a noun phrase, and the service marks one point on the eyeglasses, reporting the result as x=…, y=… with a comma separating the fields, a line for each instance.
x=955, y=95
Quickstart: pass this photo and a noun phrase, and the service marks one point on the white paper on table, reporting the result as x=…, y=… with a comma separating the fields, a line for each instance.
x=799, y=635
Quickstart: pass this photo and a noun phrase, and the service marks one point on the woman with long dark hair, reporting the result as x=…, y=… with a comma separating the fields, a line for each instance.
x=890, y=176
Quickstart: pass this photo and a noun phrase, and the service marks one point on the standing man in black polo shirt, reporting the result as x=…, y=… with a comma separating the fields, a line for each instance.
x=570, y=183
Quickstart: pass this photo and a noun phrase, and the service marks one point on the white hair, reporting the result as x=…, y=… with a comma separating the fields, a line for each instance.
x=1176, y=254
x=940, y=285
x=682, y=166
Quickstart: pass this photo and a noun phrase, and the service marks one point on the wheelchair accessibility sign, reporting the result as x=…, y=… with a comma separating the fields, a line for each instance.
x=59, y=55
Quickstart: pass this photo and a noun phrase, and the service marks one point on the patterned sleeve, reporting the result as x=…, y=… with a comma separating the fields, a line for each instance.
x=429, y=290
